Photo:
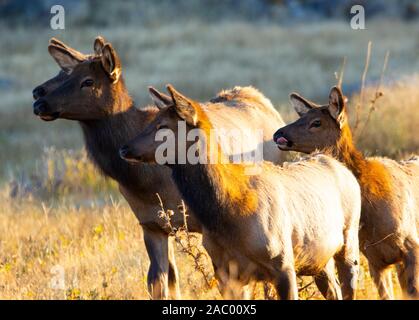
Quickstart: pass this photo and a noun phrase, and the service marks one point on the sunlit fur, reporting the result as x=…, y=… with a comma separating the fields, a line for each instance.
x=243, y=104
x=372, y=175
x=236, y=184
x=390, y=197
x=390, y=211
x=109, y=118
x=285, y=220
x=245, y=108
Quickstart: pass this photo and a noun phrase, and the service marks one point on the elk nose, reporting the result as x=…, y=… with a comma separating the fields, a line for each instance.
x=278, y=134
x=38, y=92
x=124, y=152
x=39, y=106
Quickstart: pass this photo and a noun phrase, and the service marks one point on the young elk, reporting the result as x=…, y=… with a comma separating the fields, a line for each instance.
x=90, y=90
x=390, y=190
x=298, y=219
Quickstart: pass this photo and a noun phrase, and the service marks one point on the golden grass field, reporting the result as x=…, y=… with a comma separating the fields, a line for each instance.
x=57, y=212
x=101, y=252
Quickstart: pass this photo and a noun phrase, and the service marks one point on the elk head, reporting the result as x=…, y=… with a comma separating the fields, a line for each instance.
x=86, y=88
x=177, y=112
x=319, y=126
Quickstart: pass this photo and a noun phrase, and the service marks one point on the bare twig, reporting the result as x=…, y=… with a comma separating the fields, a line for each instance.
x=341, y=73
x=379, y=241
x=166, y=216
x=304, y=289
x=378, y=94
x=187, y=241
x=364, y=75
x=306, y=286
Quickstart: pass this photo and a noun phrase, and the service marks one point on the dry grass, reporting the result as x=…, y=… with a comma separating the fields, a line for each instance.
x=74, y=221
x=391, y=129
x=100, y=250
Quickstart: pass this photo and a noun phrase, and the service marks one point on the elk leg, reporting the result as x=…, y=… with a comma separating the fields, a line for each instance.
x=156, y=243
x=409, y=273
x=327, y=283
x=221, y=270
x=347, y=264
x=382, y=280
x=348, y=272
x=173, y=274
x=286, y=284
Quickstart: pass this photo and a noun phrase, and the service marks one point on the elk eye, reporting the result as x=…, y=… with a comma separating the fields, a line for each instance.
x=316, y=124
x=87, y=83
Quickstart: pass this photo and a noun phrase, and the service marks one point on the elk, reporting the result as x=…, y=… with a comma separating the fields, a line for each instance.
x=300, y=218
x=90, y=89
x=390, y=190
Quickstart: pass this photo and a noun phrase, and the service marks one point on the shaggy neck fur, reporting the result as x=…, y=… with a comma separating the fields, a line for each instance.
x=215, y=192
x=372, y=176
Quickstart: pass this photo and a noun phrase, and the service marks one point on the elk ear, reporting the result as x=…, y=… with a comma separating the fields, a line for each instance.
x=76, y=54
x=111, y=62
x=184, y=106
x=58, y=43
x=98, y=45
x=66, y=58
x=300, y=104
x=160, y=99
x=336, y=104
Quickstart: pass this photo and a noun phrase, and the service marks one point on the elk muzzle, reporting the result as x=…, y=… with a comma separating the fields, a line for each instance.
x=42, y=110
x=38, y=92
x=281, y=140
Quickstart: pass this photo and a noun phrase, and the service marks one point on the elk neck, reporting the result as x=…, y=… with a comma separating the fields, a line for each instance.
x=217, y=192
x=371, y=174
x=104, y=137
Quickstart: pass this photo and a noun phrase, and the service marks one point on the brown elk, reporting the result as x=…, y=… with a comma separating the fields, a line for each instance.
x=390, y=190
x=301, y=218
x=90, y=90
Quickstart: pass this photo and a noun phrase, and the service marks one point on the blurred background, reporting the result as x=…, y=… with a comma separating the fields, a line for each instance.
x=202, y=47
x=277, y=46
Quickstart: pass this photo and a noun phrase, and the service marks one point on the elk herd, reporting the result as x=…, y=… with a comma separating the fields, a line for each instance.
x=307, y=217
